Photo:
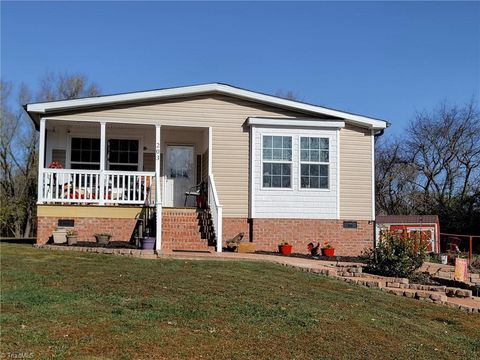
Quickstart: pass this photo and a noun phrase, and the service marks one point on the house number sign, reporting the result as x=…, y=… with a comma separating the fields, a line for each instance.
x=157, y=151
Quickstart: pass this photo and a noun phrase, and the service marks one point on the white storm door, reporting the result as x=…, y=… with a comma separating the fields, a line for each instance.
x=179, y=171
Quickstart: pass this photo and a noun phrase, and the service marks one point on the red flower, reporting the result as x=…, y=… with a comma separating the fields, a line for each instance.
x=55, y=165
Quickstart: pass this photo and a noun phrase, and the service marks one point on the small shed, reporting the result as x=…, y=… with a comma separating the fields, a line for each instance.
x=425, y=226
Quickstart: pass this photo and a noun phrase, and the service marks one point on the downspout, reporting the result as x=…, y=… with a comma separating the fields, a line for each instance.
x=376, y=135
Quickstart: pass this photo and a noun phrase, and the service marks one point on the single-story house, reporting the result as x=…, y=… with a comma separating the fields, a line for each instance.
x=274, y=169
x=426, y=227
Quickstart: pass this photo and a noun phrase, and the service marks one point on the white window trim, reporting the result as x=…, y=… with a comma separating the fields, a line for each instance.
x=329, y=163
x=291, y=188
x=251, y=197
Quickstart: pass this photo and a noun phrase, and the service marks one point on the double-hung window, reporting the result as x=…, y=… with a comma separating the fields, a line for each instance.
x=277, y=161
x=85, y=153
x=314, y=163
x=123, y=154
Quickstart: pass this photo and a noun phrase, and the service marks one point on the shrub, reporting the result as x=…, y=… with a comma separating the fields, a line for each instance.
x=434, y=258
x=475, y=265
x=396, y=255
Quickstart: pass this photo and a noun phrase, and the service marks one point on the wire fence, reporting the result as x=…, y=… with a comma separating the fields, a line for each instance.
x=467, y=245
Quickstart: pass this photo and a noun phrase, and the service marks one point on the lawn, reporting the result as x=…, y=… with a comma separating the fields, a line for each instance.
x=81, y=305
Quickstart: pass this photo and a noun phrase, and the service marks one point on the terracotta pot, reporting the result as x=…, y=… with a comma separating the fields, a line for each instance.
x=328, y=252
x=285, y=249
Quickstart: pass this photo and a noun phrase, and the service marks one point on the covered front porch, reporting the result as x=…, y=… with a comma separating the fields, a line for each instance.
x=148, y=166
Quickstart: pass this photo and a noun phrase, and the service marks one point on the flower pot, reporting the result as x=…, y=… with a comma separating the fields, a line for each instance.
x=60, y=236
x=72, y=240
x=328, y=252
x=285, y=249
x=148, y=243
x=444, y=259
x=102, y=239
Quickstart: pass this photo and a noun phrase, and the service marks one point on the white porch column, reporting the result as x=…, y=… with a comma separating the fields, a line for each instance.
x=102, y=162
x=41, y=161
x=158, y=200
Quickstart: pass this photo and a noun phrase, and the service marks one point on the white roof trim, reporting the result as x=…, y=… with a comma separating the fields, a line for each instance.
x=317, y=123
x=45, y=107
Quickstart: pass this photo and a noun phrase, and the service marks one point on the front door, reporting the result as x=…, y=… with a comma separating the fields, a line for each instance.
x=179, y=174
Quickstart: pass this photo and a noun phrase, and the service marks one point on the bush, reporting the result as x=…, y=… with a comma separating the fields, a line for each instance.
x=434, y=258
x=475, y=265
x=396, y=255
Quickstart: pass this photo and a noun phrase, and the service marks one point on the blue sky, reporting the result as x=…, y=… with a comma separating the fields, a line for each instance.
x=385, y=60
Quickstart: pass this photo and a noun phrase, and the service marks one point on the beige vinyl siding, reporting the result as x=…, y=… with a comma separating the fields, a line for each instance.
x=355, y=173
x=230, y=158
x=226, y=116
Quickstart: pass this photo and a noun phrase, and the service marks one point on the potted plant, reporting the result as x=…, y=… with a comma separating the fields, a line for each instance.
x=72, y=237
x=285, y=248
x=148, y=242
x=328, y=249
x=60, y=236
x=103, y=238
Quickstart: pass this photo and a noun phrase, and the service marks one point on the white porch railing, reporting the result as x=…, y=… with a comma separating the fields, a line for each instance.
x=90, y=187
x=216, y=211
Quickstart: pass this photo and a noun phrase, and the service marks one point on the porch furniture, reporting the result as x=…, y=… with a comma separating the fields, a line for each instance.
x=199, y=192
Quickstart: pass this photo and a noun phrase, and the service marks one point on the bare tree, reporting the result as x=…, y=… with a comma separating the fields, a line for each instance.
x=289, y=95
x=18, y=148
x=18, y=160
x=394, y=178
x=434, y=168
x=65, y=86
x=444, y=146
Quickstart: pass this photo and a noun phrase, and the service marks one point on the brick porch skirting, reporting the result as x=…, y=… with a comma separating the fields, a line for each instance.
x=268, y=233
x=121, y=229
x=180, y=231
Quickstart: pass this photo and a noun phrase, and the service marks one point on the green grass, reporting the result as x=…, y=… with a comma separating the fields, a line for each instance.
x=80, y=305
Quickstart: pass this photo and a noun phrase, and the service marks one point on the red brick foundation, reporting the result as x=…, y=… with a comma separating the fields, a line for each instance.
x=180, y=231
x=234, y=226
x=121, y=229
x=268, y=233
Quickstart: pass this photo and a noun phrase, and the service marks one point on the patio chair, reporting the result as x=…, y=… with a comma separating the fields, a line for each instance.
x=199, y=192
